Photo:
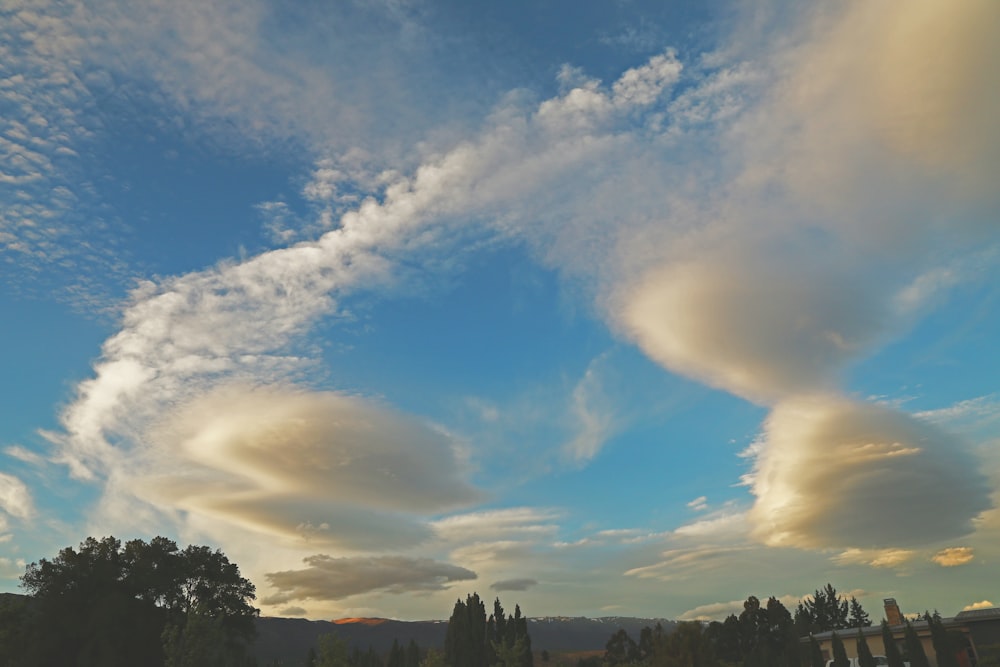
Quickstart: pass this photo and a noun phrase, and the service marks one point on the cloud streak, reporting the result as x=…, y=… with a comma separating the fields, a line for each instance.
x=328, y=578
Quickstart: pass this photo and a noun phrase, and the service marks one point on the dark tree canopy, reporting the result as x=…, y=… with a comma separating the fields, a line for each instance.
x=827, y=611
x=141, y=603
x=472, y=640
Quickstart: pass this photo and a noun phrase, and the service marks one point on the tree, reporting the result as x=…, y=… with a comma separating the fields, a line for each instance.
x=472, y=640
x=815, y=654
x=465, y=638
x=944, y=648
x=412, y=654
x=891, y=650
x=825, y=611
x=865, y=657
x=840, y=658
x=858, y=616
x=434, y=658
x=108, y=604
x=15, y=623
x=914, y=648
x=332, y=651
x=620, y=649
x=686, y=646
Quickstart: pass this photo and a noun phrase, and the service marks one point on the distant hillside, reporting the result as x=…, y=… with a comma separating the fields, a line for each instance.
x=289, y=639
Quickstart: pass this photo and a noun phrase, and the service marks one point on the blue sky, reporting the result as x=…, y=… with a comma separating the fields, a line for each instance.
x=609, y=308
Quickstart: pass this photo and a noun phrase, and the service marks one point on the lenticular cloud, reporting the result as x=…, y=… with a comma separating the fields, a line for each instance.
x=754, y=230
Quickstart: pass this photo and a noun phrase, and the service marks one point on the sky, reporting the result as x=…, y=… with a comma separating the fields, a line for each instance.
x=606, y=308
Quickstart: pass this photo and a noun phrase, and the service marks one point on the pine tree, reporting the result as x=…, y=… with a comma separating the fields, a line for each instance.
x=858, y=616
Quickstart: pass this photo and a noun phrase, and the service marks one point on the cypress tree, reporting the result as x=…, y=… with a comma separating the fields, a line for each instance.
x=944, y=650
x=815, y=653
x=865, y=658
x=914, y=648
x=840, y=658
x=891, y=650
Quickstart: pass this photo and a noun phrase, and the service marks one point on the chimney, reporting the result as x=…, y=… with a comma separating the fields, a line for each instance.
x=892, y=613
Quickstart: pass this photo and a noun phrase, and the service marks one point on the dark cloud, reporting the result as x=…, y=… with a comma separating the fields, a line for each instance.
x=513, y=584
x=329, y=578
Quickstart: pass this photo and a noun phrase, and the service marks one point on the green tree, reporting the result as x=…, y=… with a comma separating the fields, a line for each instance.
x=108, y=604
x=944, y=648
x=620, y=649
x=15, y=624
x=332, y=651
x=434, y=658
x=914, y=647
x=686, y=646
x=891, y=650
x=865, y=658
x=815, y=653
x=465, y=638
x=412, y=654
x=840, y=658
x=199, y=641
x=824, y=611
x=858, y=617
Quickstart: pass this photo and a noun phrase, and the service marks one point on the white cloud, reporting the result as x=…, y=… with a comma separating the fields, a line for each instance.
x=838, y=473
x=713, y=611
x=954, y=556
x=11, y=568
x=982, y=604
x=683, y=563
x=15, y=498
x=724, y=523
x=759, y=242
x=305, y=466
x=880, y=558
x=23, y=454
x=699, y=504
x=593, y=411
x=498, y=524
x=752, y=328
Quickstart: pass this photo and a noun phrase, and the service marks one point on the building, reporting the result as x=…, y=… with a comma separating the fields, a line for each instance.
x=975, y=634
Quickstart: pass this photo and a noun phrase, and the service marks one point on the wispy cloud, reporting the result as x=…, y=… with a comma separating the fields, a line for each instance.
x=881, y=558
x=15, y=498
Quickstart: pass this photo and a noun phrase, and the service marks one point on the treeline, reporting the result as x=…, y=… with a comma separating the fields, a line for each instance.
x=472, y=639
x=762, y=635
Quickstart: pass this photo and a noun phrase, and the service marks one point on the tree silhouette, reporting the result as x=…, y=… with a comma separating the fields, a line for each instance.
x=144, y=603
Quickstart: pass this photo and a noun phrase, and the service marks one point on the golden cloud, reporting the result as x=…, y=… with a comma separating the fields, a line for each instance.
x=953, y=556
